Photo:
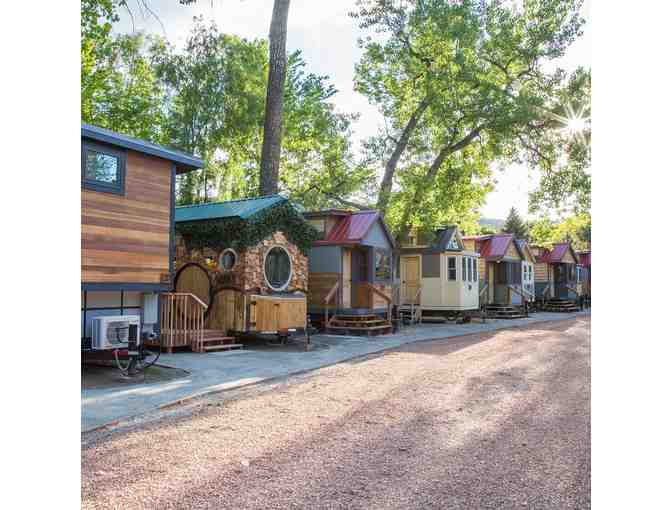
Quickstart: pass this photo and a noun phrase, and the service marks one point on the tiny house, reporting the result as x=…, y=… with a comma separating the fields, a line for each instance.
x=501, y=268
x=555, y=272
x=351, y=269
x=584, y=276
x=439, y=275
x=127, y=227
x=527, y=262
x=246, y=260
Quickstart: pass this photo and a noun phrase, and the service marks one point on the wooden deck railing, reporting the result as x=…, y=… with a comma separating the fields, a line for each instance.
x=388, y=299
x=522, y=293
x=328, y=299
x=182, y=321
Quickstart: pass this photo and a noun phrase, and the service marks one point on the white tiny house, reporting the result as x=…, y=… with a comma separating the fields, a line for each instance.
x=441, y=275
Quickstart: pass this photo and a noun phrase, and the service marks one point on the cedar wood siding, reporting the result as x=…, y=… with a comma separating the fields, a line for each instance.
x=126, y=238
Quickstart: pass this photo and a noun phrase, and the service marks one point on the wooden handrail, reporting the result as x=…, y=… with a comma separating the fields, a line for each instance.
x=327, y=299
x=380, y=293
x=193, y=296
x=573, y=289
x=182, y=320
x=331, y=293
x=388, y=299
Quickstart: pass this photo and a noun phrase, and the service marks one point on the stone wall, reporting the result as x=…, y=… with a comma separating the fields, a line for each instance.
x=248, y=272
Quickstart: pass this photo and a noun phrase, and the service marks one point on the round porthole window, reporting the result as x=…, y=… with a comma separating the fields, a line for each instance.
x=227, y=259
x=277, y=268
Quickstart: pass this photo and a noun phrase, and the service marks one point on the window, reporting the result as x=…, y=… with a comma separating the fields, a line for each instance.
x=383, y=266
x=277, y=268
x=464, y=269
x=452, y=269
x=475, y=270
x=469, y=270
x=227, y=259
x=103, y=168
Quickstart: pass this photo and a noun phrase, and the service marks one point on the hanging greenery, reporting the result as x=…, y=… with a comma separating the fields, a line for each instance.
x=237, y=233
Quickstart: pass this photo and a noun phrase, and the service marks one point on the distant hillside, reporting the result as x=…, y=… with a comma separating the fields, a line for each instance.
x=492, y=222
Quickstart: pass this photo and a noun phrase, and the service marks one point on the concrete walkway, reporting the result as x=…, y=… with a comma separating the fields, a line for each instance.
x=219, y=371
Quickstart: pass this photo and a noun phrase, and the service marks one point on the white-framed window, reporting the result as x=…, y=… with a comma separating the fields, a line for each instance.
x=277, y=268
x=464, y=269
x=475, y=270
x=452, y=269
x=470, y=270
x=228, y=259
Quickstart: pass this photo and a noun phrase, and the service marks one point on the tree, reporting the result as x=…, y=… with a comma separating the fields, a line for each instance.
x=213, y=93
x=575, y=229
x=515, y=225
x=277, y=68
x=569, y=183
x=458, y=78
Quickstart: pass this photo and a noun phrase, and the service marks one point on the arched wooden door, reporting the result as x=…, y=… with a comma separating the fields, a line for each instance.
x=194, y=279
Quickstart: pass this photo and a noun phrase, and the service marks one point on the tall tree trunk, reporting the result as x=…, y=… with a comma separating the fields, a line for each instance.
x=400, y=147
x=277, y=69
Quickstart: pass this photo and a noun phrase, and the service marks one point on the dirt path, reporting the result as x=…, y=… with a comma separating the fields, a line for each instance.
x=498, y=420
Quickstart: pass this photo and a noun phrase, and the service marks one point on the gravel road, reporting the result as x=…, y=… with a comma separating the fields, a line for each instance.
x=498, y=420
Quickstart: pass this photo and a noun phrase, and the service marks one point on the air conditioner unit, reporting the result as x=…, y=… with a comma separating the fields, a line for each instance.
x=112, y=332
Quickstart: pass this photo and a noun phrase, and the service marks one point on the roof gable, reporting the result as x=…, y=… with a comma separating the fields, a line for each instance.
x=184, y=162
x=354, y=227
x=243, y=209
x=498, y=246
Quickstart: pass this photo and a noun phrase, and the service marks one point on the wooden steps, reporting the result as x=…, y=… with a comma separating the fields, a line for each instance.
x=214, y=340
x=496, y=311
x=362, y=325
x=561, y=305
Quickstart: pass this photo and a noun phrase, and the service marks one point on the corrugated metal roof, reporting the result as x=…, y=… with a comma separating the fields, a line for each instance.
x=495, y=246
x=584, y=258
x=243, y=209
x=555, y=255
x=185, y=162
x=352, y=229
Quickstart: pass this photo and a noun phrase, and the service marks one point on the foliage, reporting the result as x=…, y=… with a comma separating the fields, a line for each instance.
x=119, y=88
x=463, y=76
x=214, y=96
x=575, y=229
x=97, y=17
x=239, y=234
x=566, y=178
x=515, y=225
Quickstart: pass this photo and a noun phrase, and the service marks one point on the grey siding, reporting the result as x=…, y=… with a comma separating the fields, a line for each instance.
x=431, y=265
x=325, y=259
x=376, y=237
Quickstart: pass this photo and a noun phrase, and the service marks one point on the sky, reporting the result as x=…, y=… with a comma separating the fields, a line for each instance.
x=327, y=37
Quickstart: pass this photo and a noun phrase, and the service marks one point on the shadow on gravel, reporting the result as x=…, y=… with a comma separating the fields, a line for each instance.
x=432, y=455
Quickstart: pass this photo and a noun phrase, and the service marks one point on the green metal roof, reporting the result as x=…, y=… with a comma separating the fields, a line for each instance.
x=243, y=209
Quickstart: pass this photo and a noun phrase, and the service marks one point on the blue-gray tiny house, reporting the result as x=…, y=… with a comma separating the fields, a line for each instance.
x=351, y=265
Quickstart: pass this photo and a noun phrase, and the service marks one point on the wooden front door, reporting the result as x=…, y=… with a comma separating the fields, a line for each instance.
x=346, y=274
x=410, y=278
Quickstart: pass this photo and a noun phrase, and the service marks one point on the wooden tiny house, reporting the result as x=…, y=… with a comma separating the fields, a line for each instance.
x=439, y=274
x=247, y=261
x=555, y=272
x=350, y=271
x=127, y=226
x=504, y=270
x=584, y=276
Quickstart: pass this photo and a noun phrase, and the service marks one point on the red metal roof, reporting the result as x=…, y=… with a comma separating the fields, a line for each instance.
x=555, y=255
x=584, y=258
x=351, y=229
x=495, y=246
